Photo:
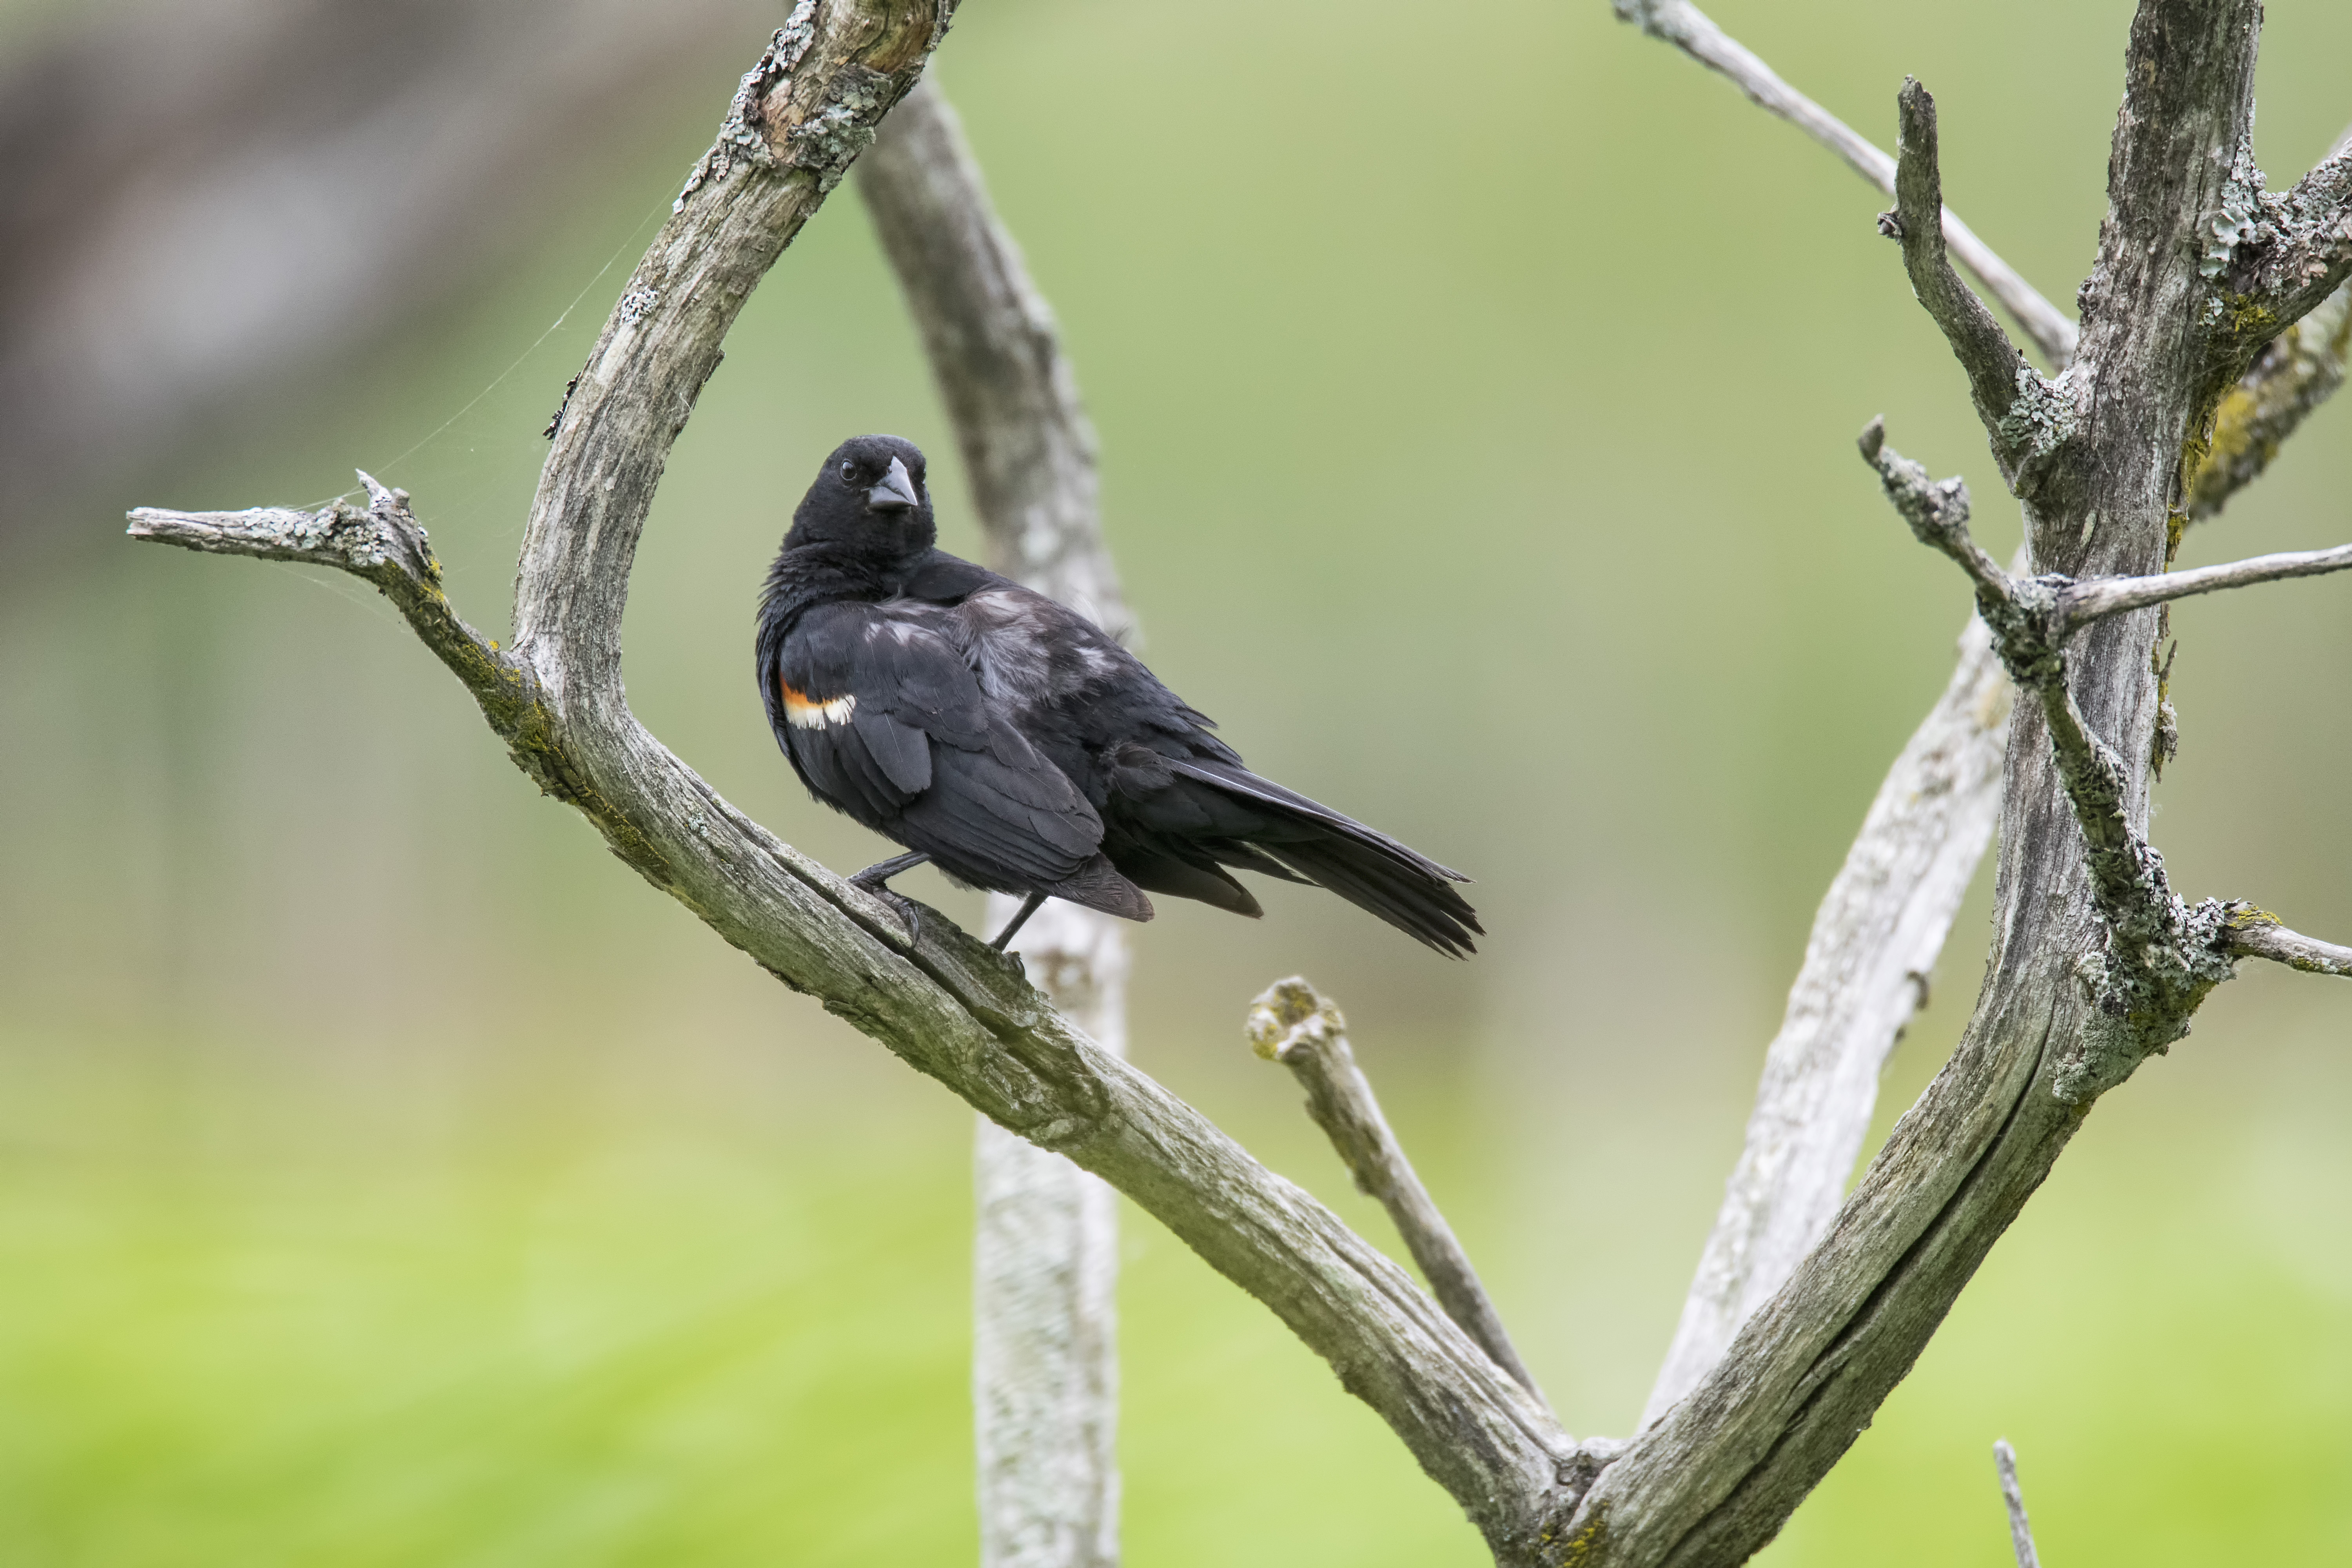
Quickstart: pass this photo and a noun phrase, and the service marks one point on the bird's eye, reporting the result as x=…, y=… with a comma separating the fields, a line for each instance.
x=849, y=473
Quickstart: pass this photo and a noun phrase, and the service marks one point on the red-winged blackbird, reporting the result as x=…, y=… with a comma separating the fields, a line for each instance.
x=1010, y=743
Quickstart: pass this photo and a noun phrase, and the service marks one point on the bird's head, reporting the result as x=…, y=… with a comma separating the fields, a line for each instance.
x=869, y=500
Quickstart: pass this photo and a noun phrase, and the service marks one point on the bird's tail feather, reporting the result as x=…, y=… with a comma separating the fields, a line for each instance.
x=1365, y=867
x=1098, y=886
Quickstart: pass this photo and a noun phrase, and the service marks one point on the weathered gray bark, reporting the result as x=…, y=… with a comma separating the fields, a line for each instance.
x=2012, y=1496
x=1293, y=1023
x=1849, y=1004
x=2096, y=962
x=2098, y=458
x=943, y=1002
x=1045, y=1349
x=1046, y=1254
x=1875, y=943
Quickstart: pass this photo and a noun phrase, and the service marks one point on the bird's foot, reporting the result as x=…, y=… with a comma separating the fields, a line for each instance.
x=908, y=911
x=875, y=879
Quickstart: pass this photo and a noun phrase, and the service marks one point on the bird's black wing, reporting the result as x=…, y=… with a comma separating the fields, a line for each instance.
x=882, y=717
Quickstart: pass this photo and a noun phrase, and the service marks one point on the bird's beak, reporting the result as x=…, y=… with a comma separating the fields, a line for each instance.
x=897, y=490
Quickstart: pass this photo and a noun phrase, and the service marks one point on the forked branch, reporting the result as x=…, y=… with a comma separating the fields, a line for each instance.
x=2059, y=606
x=2290, y=251
x=2251, y=932
x=945, y=1002
x=2163, y=955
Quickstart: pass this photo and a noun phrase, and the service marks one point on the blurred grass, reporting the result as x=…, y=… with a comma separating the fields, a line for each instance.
x=388, y=1177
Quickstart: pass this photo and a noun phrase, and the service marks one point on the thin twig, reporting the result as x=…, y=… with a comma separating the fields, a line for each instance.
x=1293, y=1023
x=2020, y=1534
x=1936, y=509
x=2251, y=932
x=2080, y=604
x=1691, y=30
x=1997, y=374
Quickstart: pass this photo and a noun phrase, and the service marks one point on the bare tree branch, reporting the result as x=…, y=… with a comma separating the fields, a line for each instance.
x=1045, y=1258
x=2294, y=373
x=1875, y=942
x=2020, y=1534
x=2162, y=956
x=2095, y=965
x=946, y=1003
x=1045, y=1350
x=2282, y=255
x=1712, y=1478
x=1293, y=1023
x=1999, y=377
x=1937, y=510
x=2080, y=604
x=2251, y=932
x=951, y=1008
x=1691, y=30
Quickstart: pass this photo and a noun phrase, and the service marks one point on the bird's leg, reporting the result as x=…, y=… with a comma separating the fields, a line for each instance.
x=874, y=875
x=1028, y=907
x=873, y=879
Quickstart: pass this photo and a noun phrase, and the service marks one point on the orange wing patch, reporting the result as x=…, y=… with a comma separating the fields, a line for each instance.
x=803, y=711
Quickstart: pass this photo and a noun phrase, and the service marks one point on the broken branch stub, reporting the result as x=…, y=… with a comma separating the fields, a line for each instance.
x=1293, y=1023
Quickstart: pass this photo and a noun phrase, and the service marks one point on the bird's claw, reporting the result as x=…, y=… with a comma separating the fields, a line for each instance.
x=909, y=912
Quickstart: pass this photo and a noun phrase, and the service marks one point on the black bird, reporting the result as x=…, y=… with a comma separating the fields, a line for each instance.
x=1010, y=743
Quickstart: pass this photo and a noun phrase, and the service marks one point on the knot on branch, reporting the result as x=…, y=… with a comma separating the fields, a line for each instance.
x=1289, y=1015
x=2159, y=965
x=1647, y=15
x=2246, y=211
x=2040, y=419
x=2029, y=630
x=765, y=128
x=2269, y=259
x=830, y=139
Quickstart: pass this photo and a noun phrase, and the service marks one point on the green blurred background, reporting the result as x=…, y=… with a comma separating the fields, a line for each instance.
x=389, y=1177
